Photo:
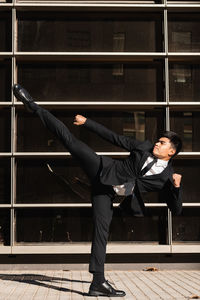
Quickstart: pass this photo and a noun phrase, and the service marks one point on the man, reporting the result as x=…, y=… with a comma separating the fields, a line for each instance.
x=147, y=168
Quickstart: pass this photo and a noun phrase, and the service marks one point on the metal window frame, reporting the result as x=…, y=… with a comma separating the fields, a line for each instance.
x=15, y=56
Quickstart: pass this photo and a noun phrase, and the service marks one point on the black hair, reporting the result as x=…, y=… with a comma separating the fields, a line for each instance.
x=175, y=140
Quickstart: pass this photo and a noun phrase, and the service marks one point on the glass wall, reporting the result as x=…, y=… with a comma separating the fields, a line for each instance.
x=89, y=32
x=140, y=125
x=136, y=70
x=93, y=82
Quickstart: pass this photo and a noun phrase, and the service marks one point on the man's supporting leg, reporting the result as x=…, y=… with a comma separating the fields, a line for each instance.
x=102, y=215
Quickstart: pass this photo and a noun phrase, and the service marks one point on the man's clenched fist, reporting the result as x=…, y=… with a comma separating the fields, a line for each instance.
x=177, y=180
x=79, y=120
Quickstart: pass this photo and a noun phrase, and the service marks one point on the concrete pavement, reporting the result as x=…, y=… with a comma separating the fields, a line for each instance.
x=74, y=285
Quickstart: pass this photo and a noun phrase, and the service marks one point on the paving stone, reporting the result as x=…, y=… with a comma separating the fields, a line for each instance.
x=74, y=285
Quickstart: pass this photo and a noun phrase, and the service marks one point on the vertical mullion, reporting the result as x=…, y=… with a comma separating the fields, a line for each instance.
x=13, y=134
x=167, y=112
x=170, y=229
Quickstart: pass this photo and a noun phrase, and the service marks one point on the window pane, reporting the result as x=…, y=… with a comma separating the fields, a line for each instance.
x=152, y=227
x=5, y=181
x=184, y=32
x=189, y=168
x=51, y=181
x=5, y=82
x=184, y=82
x=75, y=225
x=93, y=82
x=5, y=128
x=89, y=32
x=187, y=124
x=5, y=31
x=140, y=125
x=4, y=227
x=186, y=227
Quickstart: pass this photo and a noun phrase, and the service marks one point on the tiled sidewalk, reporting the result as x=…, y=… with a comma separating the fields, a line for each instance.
x=73, y=285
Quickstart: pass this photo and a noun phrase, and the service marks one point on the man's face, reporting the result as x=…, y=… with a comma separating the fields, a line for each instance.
x=163, y=149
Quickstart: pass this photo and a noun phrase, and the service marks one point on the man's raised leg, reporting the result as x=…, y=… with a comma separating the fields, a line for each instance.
x=87, y=158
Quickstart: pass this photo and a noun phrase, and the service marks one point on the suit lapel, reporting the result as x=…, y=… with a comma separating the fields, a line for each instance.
x=143, y=159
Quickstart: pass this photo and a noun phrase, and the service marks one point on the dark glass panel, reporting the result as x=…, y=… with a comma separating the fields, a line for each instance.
x=5, y=128
x=90, y=32
x=51, y=181
x=187, y=125
x=184, y=32
x=186, y=228
x=5, y=181
x=190, y=181
x=152, y=227
x=93, y=82
x=5, y=31
x=4, y=227
x=136, y=124
x=184, y=82
x=5, y=82
x=75, y=225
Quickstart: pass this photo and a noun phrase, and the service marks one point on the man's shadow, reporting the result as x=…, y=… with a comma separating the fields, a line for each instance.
x=38, y=280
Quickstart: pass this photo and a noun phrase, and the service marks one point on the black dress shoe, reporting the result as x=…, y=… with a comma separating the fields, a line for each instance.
x=22, y=95
x=105, y=289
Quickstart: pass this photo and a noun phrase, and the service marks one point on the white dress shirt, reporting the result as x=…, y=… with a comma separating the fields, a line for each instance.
x=157, y=168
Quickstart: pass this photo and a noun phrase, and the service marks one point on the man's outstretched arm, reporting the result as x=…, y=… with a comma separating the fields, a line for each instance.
x=107, y=134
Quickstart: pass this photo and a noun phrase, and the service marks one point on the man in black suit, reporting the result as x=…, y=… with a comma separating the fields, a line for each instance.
x=147, y=168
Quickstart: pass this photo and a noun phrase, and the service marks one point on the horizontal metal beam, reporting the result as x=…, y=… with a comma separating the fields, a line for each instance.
x=5, y=206
x=68, y=155
x=90, y=105
x=83, y=205
x=85, y=247
x=110, y=57
x=89, y=6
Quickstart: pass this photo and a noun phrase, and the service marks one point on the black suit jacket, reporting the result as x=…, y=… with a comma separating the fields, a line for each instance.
x=116, y=172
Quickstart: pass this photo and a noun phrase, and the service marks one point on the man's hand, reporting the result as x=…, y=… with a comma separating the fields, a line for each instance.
x=177, y=180
x=79, y=120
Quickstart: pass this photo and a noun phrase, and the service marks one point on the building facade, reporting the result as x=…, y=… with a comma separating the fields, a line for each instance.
x=133, y=66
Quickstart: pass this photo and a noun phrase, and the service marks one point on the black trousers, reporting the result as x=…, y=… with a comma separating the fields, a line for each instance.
x=102, y=196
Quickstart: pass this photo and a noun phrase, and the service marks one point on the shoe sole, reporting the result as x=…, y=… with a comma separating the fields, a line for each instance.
x=95, y=293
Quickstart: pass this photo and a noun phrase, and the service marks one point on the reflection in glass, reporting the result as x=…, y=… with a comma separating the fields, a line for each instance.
x=57, y=181
x=136, y=124
x=184, y=82
x=5, y=31
x=92, y=82
x=5, y=127
x=4, y=227
x=5, y=181
x=89, y=32
x=189, y=168
x=186, y=228
x=5, y=82
x=75, y=225
x=184, y=32
x=51, y=181
x=187, y=125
